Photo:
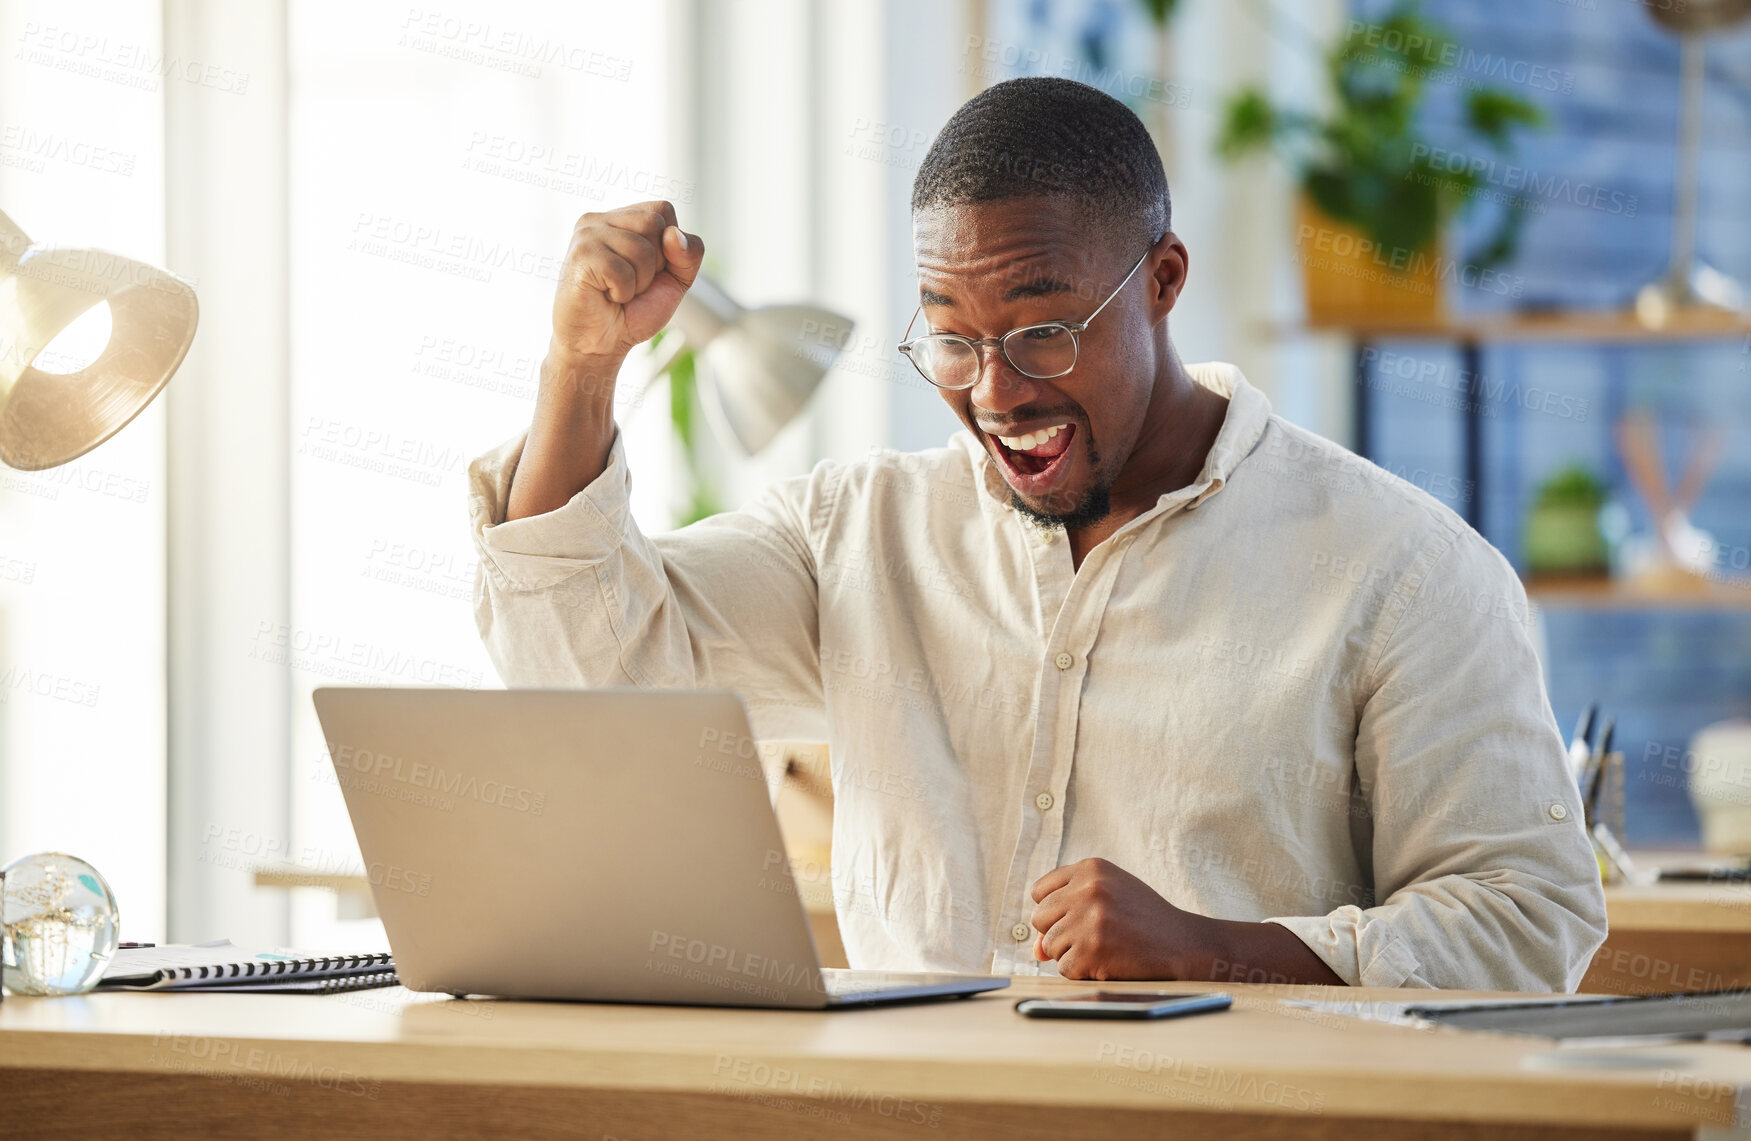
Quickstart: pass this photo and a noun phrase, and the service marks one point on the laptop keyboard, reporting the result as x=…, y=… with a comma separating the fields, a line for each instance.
x=840, y=982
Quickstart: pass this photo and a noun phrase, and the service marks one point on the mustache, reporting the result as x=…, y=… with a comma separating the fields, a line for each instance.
x=1065, y=411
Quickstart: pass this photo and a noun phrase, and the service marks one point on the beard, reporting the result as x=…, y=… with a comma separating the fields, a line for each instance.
x=1096, y=503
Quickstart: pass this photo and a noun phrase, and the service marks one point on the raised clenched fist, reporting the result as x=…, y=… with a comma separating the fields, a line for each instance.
x=625, y=272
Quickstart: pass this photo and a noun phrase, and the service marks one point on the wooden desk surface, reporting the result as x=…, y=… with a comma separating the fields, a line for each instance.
x=1674, y=936
x=1680, y=906
x=391, y=1064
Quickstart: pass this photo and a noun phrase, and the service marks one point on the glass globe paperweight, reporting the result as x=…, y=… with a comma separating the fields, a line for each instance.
x=58, y=925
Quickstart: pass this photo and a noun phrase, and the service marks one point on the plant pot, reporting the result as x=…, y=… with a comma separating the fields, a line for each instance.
x=1349, y=280
x=1564, y=539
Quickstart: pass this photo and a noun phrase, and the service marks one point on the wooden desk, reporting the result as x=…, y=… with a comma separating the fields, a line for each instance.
x=1664, y=937
x=386, y=1064
x=1674, y=936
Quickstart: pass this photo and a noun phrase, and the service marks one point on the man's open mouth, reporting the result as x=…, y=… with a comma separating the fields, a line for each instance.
x=1038, y=459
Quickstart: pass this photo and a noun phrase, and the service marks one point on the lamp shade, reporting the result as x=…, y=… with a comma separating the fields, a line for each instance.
x=759, y=366
x=47, y=419
x=1700, y=15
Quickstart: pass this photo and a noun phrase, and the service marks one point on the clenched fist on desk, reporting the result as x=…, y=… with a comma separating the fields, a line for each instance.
x=1101, y=922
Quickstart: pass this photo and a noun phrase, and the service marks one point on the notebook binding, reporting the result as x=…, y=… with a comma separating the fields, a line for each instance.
x=292, y=967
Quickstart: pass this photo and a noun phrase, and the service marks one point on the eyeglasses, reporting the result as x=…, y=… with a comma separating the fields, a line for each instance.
x=1042, y=351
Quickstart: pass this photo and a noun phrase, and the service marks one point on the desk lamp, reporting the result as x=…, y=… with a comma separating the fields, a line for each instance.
x=47, y=418
x=1687, y=281
x=760, y=366
x=58, y=921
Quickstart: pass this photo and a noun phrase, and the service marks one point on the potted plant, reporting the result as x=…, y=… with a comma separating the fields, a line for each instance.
x=1375, y=193
x=698, y=499
x=1562, y=535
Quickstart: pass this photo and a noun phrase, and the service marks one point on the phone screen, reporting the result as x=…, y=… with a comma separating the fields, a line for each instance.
x=1123, y=1004
x=1134, y=998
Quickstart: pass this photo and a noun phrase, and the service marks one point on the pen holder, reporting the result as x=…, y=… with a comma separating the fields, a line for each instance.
x=1605, y=821
x=1608, y=808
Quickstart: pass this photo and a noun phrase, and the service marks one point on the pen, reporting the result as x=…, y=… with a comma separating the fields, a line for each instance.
x=1581, y=744
x=1595, y=779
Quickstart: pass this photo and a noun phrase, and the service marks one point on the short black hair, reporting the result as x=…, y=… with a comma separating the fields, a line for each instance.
x=1045, y=137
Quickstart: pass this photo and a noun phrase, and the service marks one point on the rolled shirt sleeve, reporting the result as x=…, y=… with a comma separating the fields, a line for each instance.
x=1483, y=870
x=580, y=596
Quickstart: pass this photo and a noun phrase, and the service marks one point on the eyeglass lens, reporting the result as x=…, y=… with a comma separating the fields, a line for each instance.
x=1039, y=351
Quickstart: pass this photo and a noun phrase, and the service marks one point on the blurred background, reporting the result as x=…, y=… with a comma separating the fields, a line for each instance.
x=1422, y=229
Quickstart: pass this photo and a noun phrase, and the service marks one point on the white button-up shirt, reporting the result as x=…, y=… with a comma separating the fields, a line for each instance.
x=1298, y=690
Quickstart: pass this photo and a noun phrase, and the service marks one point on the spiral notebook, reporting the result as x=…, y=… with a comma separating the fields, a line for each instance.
x=222, y=966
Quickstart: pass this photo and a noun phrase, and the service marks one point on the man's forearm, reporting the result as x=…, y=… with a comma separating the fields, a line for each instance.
x=1235, y=951
x=570, y=435
x=1101, y=922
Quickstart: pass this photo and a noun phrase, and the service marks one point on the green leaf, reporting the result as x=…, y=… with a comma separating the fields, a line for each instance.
x=682, y=372
x=1357, y=162
x=1161, y=11
x=1249, y=122
x=703, y=504
x=1494, y=114
x=681, y=397
x=1574, y=484
x=1499, y=247
x=1409, y=218
x=1331, y=192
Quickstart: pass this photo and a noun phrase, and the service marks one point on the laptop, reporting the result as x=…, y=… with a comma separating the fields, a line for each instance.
x=609, y=845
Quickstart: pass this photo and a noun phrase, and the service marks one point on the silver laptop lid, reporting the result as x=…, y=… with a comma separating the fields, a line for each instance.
x=609, y=844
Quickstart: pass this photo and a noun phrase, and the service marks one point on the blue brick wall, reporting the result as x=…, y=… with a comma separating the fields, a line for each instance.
x=1613, y=126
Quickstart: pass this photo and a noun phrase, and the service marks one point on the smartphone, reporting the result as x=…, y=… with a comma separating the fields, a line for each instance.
x=1115, y=1004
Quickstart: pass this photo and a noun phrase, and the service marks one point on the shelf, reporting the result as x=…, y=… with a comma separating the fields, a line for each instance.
x=1675, y=593
x=1595, y=325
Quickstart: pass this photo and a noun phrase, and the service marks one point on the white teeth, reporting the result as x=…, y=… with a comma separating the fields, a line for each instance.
x=1032, y=439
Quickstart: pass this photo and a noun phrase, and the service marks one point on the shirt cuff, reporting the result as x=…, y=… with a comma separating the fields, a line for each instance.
x=538, y=551
x=1362, y=954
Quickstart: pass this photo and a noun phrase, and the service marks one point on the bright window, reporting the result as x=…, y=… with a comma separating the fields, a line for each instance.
x=82, y=547
x=439, y=158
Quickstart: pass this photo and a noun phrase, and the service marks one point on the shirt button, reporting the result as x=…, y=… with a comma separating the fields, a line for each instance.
x=1063, y=661
x=1043, y=802
x=1021, y=931
x=1558, y=812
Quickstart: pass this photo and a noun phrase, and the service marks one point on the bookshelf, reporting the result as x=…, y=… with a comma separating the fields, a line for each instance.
x=1469, y=334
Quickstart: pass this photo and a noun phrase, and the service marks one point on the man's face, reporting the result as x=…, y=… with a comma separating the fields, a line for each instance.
x=986, y=269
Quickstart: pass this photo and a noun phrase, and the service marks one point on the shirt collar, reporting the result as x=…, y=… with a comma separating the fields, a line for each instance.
x=1249, y=410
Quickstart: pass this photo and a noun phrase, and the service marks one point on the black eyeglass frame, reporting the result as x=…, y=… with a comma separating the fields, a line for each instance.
x=1074, y=328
